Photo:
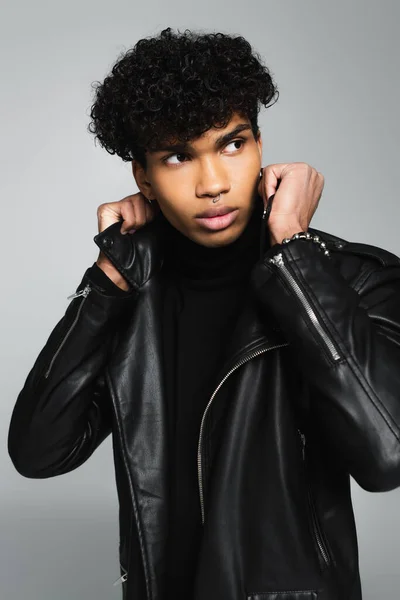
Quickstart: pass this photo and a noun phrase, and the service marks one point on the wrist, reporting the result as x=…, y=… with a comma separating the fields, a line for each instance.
x=112, y=273
x=277, y=234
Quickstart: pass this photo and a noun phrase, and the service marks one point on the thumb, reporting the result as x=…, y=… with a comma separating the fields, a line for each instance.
x=268, y=184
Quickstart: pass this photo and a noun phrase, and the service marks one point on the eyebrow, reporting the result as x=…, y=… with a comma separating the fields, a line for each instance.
x=220, y=141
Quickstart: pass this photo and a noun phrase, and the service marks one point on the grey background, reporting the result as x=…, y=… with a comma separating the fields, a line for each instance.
x=336, y=65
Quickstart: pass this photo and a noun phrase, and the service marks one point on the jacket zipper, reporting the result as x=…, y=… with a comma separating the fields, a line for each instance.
x=278, y=261
x=317, y=529
x=123, y=577
x=199, y=450
x=84, y=292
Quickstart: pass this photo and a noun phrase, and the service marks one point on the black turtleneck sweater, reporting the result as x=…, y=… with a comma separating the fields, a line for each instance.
x=204, y=294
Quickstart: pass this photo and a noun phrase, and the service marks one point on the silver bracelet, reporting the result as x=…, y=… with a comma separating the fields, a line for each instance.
x=306, y=235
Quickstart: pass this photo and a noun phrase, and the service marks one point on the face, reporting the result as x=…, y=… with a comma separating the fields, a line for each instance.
x=185, y=179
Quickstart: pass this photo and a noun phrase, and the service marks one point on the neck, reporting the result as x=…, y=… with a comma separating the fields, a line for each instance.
x=202, y=266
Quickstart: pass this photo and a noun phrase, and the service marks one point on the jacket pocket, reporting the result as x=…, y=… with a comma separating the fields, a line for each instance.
x=287, y=595
x=318, y=533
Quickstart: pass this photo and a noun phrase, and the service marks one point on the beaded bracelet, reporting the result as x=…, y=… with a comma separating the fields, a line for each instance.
x=306, y=235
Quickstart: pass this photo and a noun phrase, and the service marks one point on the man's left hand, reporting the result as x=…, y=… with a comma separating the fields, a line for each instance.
x=296, y=199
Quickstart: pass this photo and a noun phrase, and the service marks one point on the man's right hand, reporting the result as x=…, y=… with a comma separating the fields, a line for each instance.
x=134, y=211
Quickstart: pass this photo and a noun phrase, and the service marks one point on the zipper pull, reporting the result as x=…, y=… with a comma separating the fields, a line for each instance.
x=121, y=579
x=83, y=292
x=277, y=259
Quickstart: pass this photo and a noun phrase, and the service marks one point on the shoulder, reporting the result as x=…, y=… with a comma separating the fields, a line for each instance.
x=367, y=252
x=356, y=260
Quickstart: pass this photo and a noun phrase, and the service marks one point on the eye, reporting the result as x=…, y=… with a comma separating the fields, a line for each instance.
x=167, y=159
x=238, y=141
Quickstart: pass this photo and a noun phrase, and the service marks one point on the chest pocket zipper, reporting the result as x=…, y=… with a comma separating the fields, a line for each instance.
x=316, y=526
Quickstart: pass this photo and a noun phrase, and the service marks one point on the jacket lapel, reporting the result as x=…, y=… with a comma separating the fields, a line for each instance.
x=137, y=384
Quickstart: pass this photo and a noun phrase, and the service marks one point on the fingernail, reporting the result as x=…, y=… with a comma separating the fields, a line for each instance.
x=131, y=230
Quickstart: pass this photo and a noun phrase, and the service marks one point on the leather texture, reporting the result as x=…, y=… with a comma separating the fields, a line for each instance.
x=295, y=595
x=309, y=395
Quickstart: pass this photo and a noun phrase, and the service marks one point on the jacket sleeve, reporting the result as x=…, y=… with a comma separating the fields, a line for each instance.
x=102, y=280
x=63, y=411
x=346, y=341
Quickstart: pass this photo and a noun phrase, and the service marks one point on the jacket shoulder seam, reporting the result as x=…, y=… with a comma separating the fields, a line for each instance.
x=382, y=255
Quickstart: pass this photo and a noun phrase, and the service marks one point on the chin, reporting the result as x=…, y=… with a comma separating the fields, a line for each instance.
x=224, y=237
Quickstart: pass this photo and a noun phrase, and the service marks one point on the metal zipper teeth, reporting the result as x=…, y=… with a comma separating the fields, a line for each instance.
x=278, y=261
x=318, y=538
x=199, y=462
x=84, y=292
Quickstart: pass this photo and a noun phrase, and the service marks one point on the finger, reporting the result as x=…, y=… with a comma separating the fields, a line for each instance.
x=108, y=214
x=128, y=215
x=272, y=176
x=262, y=190
x=139, y=204
x=269, y=183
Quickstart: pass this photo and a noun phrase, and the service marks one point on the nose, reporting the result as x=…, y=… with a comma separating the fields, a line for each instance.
x=212, y=179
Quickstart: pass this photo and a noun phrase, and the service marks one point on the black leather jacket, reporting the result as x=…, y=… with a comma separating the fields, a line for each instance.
x=309, y=395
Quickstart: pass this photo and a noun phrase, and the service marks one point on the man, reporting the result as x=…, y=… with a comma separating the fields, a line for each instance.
x=245, y=365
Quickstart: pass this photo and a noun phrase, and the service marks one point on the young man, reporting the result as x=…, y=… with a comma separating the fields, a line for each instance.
x=244, y=371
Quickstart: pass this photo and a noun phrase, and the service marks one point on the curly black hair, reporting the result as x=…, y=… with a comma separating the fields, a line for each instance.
x=176, y=86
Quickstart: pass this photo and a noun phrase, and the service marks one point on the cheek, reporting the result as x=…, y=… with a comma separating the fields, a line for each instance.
x=176, y=209
x=246, y=177
x=251, y=162
x=174, y=196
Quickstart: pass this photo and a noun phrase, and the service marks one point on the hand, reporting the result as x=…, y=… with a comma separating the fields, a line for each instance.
x=135, y=211
x=296, y=199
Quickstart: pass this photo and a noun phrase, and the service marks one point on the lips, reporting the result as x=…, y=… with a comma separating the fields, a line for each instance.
x=218, y=222
x=218, y=211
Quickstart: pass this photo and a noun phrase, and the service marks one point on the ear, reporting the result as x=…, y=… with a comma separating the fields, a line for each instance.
x=139, y=173
x=259, y=144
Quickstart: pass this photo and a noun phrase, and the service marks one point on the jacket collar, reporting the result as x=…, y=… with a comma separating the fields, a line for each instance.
x=140, y=258
x=253, y=330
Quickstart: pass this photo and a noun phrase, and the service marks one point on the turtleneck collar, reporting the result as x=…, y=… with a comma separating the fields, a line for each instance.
x=202, y=267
